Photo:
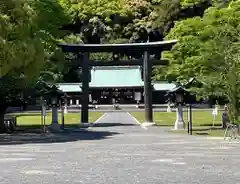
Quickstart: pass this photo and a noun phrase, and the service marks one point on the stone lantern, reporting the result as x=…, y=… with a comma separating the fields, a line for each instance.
x=177, y=95
x=55, y=96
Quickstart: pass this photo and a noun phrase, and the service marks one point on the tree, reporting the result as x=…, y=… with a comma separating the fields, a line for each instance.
x=121, y=21
x=208, y=49
x=27, y=38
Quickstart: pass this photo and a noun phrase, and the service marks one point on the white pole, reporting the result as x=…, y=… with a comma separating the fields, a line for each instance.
x=44, y=123
x=214, y=113
x=42, y=117
x=44, y=113
x=169, y=109
x=214, y=117
x=65, y=109
x=41, y=111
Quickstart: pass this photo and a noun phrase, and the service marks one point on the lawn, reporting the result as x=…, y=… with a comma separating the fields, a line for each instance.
x=202, y=122
x=199, y=118
x=34, y=119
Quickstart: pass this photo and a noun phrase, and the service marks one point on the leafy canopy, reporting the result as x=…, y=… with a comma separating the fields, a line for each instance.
x=208, y=49
x=28, y=32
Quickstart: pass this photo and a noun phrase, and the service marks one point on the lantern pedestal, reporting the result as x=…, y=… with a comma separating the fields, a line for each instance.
x=179, y=123
x=54, y=126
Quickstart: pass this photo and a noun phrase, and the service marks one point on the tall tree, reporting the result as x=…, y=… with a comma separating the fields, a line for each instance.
x=208, y=49
x=27, y=38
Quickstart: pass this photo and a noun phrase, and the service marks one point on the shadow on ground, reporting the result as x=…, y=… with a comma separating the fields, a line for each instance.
x=38, y=128
x=210, y=124
x=113, y=124
x=67, y=135
x=201, y=125
x=203, y=131
x=207, y=128
x=207, y=131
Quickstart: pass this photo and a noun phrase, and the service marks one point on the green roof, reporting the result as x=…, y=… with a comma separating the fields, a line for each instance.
x=163, y=86
x=70, y=87
x=110, y=76
x=119, y=76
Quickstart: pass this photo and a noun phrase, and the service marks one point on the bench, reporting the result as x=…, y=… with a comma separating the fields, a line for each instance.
x=10, y=122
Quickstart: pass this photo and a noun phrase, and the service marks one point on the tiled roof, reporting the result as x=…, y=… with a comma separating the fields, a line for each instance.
x=110, y=76
x=123, y=76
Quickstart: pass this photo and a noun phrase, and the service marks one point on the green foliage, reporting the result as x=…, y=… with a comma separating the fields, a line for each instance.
x=208, y=49
x=98, y=21
x=187, y=3
x=102, y=21
x=27, y=41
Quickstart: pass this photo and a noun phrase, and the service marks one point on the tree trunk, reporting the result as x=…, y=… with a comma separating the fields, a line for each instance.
x=2, y=125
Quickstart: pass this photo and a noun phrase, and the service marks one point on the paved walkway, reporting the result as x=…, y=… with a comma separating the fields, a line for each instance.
x=116, y=151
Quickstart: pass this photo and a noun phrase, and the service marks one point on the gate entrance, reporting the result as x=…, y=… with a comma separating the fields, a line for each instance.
x=82, y=52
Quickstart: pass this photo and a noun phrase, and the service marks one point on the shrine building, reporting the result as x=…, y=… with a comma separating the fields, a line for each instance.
x=122, y=83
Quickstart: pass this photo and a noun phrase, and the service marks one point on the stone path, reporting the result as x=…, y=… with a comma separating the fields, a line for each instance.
x=117, y=150
x=117, y=117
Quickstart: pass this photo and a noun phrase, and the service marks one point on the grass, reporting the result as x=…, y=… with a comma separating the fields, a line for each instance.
x=199, y=118
x=34, y=119
x=202, y=122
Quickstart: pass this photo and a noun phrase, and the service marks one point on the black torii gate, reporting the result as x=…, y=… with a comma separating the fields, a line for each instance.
x=147, y=63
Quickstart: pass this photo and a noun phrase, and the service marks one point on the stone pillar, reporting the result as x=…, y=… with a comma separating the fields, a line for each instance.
x=179, y=123
x=54, y=126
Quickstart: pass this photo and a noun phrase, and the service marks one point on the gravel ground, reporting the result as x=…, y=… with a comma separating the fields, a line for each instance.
x=116, y=150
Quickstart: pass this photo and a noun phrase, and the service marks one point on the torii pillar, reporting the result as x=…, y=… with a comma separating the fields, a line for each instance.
x=147, y=74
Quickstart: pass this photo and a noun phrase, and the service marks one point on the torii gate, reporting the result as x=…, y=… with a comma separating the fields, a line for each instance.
x=147, y=63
